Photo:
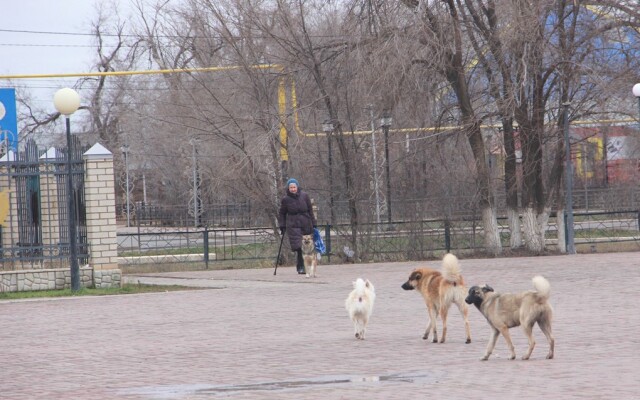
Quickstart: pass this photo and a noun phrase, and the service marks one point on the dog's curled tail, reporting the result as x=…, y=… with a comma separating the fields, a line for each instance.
x=451, y=268
x=542, y=286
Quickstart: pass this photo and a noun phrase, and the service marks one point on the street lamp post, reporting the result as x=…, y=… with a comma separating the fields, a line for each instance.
x=385, y=123
x=67, y=102
x=374, y=161
x=636, y=92
x=3, y=112
x=125, y=153
x=197, y=200
x=569, y=228
x=327, y=128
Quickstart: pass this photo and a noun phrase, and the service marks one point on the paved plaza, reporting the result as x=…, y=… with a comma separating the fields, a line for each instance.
x=253, y=335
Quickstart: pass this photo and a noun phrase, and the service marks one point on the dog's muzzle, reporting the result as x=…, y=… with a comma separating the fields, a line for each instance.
x=407, y=286
x=473, y=299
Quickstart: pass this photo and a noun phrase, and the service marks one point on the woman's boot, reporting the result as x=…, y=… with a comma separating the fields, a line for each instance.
x=300, y=262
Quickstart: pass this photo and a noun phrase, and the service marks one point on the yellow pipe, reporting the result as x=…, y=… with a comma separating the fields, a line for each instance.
x=145, y=72
x=294, y=105
x=281, y=99
x=282, y=108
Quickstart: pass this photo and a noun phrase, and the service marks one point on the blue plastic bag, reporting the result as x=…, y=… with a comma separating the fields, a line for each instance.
x=317, y=240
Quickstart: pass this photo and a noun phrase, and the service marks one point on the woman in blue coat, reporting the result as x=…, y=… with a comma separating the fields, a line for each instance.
x=296, y=218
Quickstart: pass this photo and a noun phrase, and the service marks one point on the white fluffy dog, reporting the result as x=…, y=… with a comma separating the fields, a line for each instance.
x=359, y=304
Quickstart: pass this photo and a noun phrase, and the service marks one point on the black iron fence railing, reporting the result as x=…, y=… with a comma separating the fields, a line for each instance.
x=402, y=240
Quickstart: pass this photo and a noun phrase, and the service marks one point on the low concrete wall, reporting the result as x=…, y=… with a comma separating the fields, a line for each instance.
x=57, y=279
x=161, y=259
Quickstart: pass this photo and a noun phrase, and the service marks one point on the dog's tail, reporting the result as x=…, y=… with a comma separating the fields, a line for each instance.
x=451, y=268
x=542, y=286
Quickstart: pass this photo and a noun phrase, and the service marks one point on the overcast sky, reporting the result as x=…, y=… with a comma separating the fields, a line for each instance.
x=43, y=37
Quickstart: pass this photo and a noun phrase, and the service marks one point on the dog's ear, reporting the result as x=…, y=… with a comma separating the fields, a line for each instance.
x=487, y=288
x=367, y=283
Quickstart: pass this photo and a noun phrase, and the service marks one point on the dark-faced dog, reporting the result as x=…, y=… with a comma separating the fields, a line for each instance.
x=440, y=289
x=504, y=311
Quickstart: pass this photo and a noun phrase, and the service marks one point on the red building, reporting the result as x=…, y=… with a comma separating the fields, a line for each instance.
x=597, y=164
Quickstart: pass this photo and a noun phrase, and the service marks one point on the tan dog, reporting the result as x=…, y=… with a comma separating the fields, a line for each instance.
x=440, y=290
x=310, y=255
x=504, y=311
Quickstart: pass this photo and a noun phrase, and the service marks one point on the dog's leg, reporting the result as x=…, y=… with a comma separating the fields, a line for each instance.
x=314, y=266
x=435, y=325
x=305, y=258
x=356, y=326
x=528, y=330
x=433, y=314
x=505, y=332
x=545, y=327
x=443, y=316
x=464, y=310
x=363, y=328
x=426, y=333
x=307, y=267
x=492, y=343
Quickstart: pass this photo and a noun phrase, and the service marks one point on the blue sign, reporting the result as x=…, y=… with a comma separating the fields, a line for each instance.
x=8, y=118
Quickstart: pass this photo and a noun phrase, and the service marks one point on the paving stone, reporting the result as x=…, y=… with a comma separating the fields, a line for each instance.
x=254, y=335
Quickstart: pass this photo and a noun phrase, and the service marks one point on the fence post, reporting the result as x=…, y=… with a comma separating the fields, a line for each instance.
x=447, y=236
x=327, y=235
x=205, y=241
x=138, y=226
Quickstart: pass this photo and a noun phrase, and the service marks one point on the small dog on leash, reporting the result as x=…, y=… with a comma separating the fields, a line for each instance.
x=310, y=255
x=440, y=289
x=504, y=311
x=359, y=305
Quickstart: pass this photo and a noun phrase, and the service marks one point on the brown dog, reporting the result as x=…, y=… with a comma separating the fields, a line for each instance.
x=440, y=290
x=310, y=255
x=504, y=311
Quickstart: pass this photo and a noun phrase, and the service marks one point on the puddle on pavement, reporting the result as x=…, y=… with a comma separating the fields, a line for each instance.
x=207, y=391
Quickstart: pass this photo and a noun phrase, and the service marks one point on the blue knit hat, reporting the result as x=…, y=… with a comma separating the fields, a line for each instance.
x=292, y=180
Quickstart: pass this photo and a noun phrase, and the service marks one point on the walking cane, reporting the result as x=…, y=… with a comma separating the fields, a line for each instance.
x=279, y=250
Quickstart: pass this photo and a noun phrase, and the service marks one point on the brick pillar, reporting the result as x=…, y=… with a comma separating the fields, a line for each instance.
x=100, y=200
x=10, y=236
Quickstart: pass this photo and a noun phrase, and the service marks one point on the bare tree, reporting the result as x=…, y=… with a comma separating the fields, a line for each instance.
x=440, y=29
x=115, y=52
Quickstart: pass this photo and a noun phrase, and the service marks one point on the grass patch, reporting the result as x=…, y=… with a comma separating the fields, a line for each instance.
x=125, y=289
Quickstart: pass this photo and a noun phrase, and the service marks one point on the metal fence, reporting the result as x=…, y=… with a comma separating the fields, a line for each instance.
x=415, y=240
x=35, y=230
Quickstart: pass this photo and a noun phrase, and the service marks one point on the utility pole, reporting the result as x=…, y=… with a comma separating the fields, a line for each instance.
x=571, y=249
x=125, y=152
x=385, y=123
x=195, y=197
x=376, y=189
